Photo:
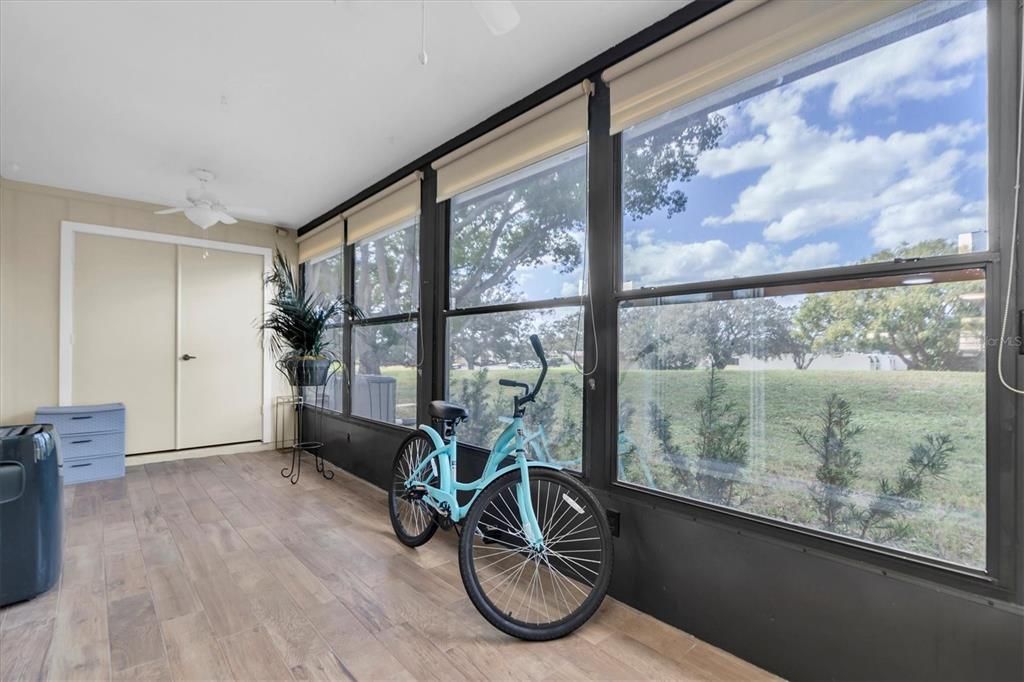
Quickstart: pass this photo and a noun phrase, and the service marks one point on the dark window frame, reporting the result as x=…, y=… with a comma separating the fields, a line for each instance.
x=341, y=324
x=413, y=316
x=988, y=265
x=447, y=312
x=999, y=578
x=1005, y=470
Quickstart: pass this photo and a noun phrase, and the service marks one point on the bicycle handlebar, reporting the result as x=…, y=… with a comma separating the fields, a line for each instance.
x=529, y=395
x=539, y=350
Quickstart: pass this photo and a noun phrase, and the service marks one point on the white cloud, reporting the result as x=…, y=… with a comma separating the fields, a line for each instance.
x=812, y=256
x=817, y=180
x=652, y=262
x=940, y=214
x=916, y=68
x=824, y=175
x=570, y=289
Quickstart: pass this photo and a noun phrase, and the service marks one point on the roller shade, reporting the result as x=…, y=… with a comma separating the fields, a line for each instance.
x=325, y=238
x=557, y=125
x=737, y=41
x=385, y=209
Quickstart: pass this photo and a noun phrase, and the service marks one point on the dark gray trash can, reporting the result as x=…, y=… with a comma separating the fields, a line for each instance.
x=31, y=511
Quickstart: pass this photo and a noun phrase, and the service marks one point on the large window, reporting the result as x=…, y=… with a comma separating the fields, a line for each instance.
x=869, y=148
x=384, y=384
x=387, y=271
x=520, y=238
x=323, y=277
x=856, y=407
x=485, y=348
x=800, y=293
x=386, y=346
x=516, y=266
x=853, y=405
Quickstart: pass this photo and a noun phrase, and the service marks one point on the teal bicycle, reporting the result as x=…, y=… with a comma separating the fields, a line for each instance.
x=535, y=550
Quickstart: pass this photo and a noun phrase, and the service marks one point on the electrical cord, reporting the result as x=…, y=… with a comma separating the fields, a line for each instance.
x=1016, y=225
x=422, y=350
x=589, y=297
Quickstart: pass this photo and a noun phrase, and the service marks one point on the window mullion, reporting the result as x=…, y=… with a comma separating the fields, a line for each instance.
x=348, y=278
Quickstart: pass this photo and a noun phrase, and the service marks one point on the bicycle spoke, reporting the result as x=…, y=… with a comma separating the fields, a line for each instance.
x=413, y=515
x=576, y=530
x=537, y=584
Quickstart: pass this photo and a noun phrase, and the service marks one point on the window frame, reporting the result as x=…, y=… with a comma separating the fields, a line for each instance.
x=998, y=578
x=1004, y=464
x=342, y=323
x=368, y=320
x=446, y=312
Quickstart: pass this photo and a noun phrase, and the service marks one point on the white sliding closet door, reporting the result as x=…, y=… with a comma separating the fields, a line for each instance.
x=220, y=398
x=123, y=343
x=138, y=308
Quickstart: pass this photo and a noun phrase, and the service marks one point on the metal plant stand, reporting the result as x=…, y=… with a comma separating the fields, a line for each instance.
x=311, y=441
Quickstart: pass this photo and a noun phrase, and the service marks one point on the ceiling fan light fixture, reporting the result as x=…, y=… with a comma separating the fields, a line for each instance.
x=203, y=216
x=204, y=209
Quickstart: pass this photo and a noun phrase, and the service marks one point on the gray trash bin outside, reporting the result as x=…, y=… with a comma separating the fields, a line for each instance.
x=31, y=511
x=375, y=397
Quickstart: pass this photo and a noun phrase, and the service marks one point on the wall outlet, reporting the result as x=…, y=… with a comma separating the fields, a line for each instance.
x=613, y=521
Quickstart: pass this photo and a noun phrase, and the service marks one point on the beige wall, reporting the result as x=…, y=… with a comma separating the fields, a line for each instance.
x=30, y=217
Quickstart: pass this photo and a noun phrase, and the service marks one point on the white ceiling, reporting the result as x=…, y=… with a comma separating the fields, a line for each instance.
x=296, y=106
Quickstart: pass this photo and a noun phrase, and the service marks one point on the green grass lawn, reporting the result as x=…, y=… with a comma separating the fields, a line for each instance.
x=895, y=409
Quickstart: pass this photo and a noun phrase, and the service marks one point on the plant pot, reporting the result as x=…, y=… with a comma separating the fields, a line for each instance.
x=307, y=371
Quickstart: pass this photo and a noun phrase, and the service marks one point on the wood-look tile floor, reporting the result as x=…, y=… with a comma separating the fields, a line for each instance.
x=218, y=568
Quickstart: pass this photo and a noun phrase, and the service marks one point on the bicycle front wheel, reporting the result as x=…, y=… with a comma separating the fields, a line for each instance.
x=532, y=590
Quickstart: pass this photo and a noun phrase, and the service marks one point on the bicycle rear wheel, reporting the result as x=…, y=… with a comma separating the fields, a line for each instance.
x=529, y=592
x=413, y=520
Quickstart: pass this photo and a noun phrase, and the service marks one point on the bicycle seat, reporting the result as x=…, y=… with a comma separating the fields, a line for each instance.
x=441, y=409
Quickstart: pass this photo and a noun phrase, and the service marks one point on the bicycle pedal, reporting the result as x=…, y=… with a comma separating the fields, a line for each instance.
x=416, y=492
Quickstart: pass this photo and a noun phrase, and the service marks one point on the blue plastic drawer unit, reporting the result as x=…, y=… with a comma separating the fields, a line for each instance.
x=91, y=440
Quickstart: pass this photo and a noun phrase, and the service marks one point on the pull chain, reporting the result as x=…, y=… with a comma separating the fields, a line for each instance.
x=423, y=32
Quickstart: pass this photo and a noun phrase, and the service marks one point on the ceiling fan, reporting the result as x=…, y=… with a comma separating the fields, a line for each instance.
x=204, y=209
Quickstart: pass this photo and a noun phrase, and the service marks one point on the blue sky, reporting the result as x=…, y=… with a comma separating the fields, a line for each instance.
x=885, y=148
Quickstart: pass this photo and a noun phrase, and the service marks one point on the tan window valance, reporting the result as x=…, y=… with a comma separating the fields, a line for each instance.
x=324, y=239
x=734, y=42
x=387, y=208
x=558, y=124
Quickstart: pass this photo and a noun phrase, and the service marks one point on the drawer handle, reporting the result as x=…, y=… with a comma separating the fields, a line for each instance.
x=88, y=416
x=76, y=442
x=77, y=466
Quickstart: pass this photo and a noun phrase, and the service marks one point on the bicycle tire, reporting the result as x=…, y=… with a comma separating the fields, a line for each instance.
x=471, y=562
x=404, y=512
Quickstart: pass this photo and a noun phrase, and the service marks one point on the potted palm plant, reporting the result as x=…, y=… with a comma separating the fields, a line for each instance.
x=298, y=326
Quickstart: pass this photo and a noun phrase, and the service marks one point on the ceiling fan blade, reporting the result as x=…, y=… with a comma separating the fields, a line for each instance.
x=501, y=16
x=225, y=218
x=244, y=210
x=168, y=211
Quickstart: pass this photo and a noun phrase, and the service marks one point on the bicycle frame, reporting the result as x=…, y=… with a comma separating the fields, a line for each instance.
x=510, y=443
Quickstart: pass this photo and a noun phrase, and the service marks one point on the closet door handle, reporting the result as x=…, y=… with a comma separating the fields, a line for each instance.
x=188, y=357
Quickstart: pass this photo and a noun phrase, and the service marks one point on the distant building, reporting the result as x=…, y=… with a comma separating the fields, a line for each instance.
x=970, y=242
